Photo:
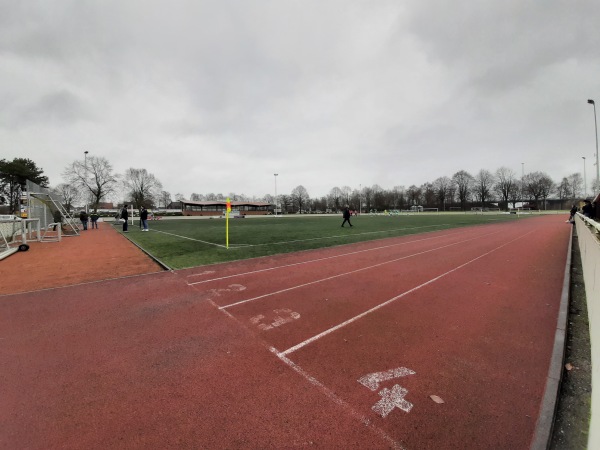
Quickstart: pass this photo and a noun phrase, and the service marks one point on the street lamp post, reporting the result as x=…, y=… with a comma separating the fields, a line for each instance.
x=591, y=102
x=275, y=192
x=85, y=153
x=522, y=184
x=584, y=179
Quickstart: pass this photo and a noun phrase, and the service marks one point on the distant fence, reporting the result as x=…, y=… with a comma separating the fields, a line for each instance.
x=588, y=233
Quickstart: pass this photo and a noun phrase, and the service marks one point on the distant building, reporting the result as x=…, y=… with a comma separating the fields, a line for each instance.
x=218, y=207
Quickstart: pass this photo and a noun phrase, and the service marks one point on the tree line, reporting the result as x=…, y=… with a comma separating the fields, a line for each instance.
x=92, y=181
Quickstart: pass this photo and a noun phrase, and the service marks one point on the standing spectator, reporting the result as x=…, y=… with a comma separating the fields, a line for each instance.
x=94, y=218
x=125, y=217
x=346, y=216
x=84, y=219
x=588, y=209
x=144, y=218
x=572, y=214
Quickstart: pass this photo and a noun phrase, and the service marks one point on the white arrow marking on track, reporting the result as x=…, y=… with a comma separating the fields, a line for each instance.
x=372, y=380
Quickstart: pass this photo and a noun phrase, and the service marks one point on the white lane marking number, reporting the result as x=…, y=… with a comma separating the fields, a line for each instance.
x=282, y=316
x=230, y=288
x=390, y=398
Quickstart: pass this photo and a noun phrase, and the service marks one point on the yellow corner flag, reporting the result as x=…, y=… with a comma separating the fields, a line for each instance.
x=227, y=211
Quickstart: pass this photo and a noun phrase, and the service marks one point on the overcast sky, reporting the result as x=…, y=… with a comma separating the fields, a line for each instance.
x=218, y=96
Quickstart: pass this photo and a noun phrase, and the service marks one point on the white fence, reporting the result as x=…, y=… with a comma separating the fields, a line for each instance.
x=588, y=233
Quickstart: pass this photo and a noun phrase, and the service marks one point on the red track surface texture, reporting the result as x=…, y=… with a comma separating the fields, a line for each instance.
x=338, y=348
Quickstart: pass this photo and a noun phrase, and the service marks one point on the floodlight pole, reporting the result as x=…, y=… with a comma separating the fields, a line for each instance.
x=85, y=153
x=584, y=179
x=275, y=192
x=591, y=102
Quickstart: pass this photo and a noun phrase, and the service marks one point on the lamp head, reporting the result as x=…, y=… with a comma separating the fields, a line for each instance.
x=591, y=102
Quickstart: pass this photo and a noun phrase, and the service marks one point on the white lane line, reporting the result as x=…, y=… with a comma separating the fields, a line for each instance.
x=337, y=400
x=285, y=266
x=190, y=239
x=353, y=271
x=381, y=305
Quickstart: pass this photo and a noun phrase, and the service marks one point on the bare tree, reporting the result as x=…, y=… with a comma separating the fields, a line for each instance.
x=142, y=187
x=441, y=186
x=195, y=197
x=575, y=184
x=93, y=177
x=505, y=184
x=563, y=191
x=346, y=193
x=483, y=185
x=464, y=185
x=285, y=201
x=165, y=199
x=538, y=185
x=69, y=194
x=414, y=195
x=428, y=195
x=300, y=197
x=335, y=197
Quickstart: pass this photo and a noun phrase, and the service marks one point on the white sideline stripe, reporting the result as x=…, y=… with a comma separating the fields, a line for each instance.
x=317, y=260
x=337, y=400
x=387, y=302
x=353, y=271
x=343, y=235
x=190, y=239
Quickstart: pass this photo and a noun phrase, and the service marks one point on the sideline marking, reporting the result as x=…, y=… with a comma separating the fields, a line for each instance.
x=335, y=236
x=351, y=272
x=393, y=299
x=383, y=247
x=190, y=239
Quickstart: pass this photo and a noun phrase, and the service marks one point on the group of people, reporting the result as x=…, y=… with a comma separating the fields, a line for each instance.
x=588, y=209
x=124, y=215
x=85, y=219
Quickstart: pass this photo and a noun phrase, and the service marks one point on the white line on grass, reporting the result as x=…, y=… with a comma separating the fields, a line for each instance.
x=335, y=236
x=190, y=239
x=352, y=272
x=393, y=299
x=252, y=272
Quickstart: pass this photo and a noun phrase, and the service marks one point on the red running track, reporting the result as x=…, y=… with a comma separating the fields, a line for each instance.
x=336, y=348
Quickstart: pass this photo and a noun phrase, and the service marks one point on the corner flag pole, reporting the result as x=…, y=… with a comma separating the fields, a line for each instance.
x=227, y=211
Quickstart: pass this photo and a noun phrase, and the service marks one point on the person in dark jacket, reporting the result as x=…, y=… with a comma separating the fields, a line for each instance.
x=94, y=218
x=84, y=219
x=588, y=209
x=346, y=216
x=144, y=218
x=125, y=217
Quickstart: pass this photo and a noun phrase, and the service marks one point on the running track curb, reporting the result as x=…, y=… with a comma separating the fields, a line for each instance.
x=158, y=261
x=545, y=423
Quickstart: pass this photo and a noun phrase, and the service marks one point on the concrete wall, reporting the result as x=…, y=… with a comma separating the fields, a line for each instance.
x=589, y=245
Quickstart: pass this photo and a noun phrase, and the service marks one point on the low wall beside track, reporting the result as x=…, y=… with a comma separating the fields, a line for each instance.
x=588, y=233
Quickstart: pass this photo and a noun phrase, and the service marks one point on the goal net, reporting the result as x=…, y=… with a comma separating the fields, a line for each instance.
x=10, y=231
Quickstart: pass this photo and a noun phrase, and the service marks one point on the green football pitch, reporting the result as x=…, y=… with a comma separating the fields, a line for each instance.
x=181, y=243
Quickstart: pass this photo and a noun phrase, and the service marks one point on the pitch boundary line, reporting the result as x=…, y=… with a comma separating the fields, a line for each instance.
x=393, y=299
x=314, y=260
x=189, y=238
x=352, y=272
x=338, y=236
